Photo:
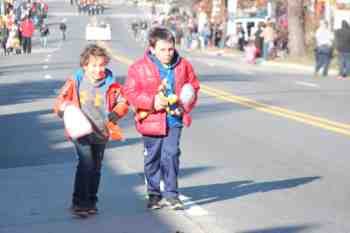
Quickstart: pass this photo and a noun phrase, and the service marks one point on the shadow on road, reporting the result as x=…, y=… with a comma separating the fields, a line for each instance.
x=285, y=229
x=206, y=194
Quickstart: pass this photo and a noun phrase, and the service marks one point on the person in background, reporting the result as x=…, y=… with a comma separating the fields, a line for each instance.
x=95, y=92
x=4, y=34
x=152, y=80
x=259, y=40
x=250, y=52
x=342, y=42
x=27, y=29
x=324, y=49
x=241, y=37
x=269, y=35
x=44, y=33
x=63, y=28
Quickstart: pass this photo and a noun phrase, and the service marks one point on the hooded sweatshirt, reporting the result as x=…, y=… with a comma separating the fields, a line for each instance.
x=342, y=38
x=167, y=72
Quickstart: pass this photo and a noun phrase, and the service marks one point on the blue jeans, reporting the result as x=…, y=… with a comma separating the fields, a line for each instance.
x=344, y=64
x=266, y=50
x=162, y=162
x=88, y=173
x=323, y=59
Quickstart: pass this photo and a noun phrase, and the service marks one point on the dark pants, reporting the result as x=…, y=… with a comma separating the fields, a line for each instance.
x=27, y=45
x=323, y=56
x=344, y=64
x=162, y=162
x=63, y=34
x=241, y=44
x=88, y=173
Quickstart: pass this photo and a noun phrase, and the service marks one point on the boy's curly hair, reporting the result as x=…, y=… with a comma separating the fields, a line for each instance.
x=95, y=51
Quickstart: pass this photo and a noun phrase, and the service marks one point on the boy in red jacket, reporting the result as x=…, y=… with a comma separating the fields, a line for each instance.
x=154, y=88
x=94, y=90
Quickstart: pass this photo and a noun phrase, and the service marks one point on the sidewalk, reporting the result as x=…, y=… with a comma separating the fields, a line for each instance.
x=271, y=63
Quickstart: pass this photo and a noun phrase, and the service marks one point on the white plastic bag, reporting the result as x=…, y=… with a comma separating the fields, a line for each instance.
x=75, y=122
x=187, y=94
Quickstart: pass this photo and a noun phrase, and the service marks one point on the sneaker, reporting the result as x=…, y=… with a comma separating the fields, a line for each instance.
x=79, y=211
x=175, y=203
x=93, y=210
x=154, y=202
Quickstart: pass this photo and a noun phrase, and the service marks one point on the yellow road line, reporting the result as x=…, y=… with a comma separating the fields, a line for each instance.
x=297, y=116
x=274, y=110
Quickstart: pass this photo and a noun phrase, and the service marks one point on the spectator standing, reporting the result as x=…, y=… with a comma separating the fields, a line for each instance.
x=324, y=48
x=259, y=40
x=250, y=52
x=10, y=19
x=161, y=130
x=27, y=29
x=99, y=99
x=63, y=28
x=342, y=41
x=241, y=37
x=269, y=36
x=44, y=33
x=4, y=33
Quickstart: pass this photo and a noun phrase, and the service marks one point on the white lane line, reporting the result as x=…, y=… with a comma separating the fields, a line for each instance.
x=307, y=84
x=45, y=67
x=48, y=76
x=192, y=208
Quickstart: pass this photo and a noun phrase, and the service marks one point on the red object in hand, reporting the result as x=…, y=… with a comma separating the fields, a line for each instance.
x=115, y=132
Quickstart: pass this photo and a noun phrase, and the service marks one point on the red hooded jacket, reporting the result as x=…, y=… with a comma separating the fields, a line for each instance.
x=27, y=28
x=142, y=85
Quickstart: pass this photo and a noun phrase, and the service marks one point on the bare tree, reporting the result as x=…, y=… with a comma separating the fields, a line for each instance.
x=296, y=28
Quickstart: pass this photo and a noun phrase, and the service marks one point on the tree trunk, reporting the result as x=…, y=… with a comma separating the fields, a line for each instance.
x=296, y=35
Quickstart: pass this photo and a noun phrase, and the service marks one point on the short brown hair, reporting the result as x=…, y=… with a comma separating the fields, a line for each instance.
x=93, y=50
x=160, y=33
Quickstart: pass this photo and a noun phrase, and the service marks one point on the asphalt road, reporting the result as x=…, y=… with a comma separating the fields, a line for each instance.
x=266, y=152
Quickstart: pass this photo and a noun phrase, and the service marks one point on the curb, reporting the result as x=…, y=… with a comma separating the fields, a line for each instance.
x=308, y=68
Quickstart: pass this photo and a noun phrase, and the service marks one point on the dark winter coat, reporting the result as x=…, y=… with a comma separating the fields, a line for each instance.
x=342, y=38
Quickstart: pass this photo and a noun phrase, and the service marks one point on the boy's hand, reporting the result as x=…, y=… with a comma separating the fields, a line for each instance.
x=159, y=103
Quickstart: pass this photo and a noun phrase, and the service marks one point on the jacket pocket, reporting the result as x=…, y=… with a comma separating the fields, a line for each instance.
x=152, y=125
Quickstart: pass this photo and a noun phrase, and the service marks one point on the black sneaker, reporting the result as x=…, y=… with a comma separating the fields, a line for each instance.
x=174, y=203
x=154, y=202
x=79, y=211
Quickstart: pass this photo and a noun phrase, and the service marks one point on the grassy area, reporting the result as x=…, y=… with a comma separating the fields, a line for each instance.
x=308, y=59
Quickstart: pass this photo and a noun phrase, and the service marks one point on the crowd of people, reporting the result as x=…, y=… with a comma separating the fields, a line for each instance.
x=260, y=42
x=196, y=31
x=90, y=7
x=18, y=24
